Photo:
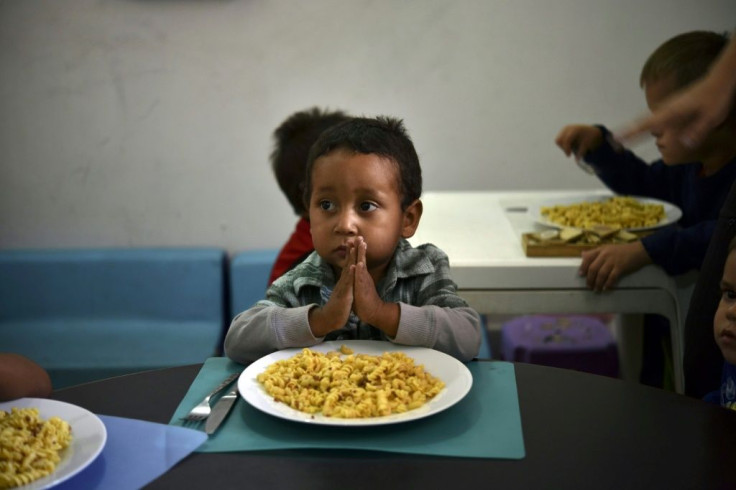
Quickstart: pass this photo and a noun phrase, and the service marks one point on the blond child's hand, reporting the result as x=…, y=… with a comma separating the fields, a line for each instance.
x=335, y=313
x=578, y=139
x=604, y=266
x=369, y=307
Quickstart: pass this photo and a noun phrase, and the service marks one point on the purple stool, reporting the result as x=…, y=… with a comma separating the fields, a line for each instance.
x=582, y=343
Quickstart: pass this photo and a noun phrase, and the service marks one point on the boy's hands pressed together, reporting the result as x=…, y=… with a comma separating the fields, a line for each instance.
x=335, y=313
x=603, y=266
x=366, y=303
x=578, y=139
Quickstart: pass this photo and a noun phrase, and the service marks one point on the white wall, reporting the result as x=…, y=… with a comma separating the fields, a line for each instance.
x=148, y=122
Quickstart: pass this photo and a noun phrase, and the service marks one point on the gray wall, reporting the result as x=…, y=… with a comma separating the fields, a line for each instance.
x=148, y=122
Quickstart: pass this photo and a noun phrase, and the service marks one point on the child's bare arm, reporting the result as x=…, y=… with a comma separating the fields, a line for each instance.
x=578, y=139
x=604, y=266
x=21, y=377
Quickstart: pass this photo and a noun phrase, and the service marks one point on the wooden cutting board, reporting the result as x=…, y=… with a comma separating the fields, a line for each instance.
x=552, y=248
x=556, y=248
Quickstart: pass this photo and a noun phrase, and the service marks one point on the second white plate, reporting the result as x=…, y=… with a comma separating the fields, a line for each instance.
x=88, y=432
x=453, y=373
x=671, y=212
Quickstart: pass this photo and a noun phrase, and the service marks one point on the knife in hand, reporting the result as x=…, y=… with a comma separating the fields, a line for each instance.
x=220, y=410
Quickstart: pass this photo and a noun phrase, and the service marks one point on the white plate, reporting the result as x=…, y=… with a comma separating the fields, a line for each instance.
x=88, y=437
x=453, y=373
x=671, y=212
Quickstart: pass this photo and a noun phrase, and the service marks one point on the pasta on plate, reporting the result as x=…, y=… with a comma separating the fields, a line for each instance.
x=618, y=211
x=30, y=446
x=356, y=386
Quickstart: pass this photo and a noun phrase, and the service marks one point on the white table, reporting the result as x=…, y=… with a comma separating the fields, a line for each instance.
x=481, y=234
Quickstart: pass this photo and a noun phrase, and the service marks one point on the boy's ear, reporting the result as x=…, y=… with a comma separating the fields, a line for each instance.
x=412, y=215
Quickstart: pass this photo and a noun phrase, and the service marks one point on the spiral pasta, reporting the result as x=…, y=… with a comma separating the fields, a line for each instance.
x=29, y=446
x=358, y=386
x=617, y=211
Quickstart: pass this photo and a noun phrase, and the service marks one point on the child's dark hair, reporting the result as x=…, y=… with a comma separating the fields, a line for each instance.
x=383, y=136
x=292, y=140
x=686, y=57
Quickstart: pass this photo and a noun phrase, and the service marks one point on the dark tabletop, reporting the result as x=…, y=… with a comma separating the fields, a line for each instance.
x=580, y=431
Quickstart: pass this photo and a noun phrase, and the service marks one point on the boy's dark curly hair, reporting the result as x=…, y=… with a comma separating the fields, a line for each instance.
x=383, y=136
x=292, y=140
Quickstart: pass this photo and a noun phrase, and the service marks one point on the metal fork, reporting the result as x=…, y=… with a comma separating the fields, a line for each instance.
x=203, y=409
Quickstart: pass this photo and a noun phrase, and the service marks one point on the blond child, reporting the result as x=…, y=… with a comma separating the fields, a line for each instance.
x=696, y=179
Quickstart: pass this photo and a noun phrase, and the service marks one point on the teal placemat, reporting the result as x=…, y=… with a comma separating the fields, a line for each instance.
x=485, y=424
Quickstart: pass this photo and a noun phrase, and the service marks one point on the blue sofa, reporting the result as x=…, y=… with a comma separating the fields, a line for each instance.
x=248, y=278
x=90, y=314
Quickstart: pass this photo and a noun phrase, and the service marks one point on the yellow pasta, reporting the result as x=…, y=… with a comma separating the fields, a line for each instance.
x=29, y=446
x=617, y=211
x=356, y=386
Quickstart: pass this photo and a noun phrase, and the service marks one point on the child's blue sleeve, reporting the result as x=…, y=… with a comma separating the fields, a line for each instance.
x=678, y=250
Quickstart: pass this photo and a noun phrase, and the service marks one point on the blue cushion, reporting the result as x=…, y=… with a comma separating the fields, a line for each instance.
x=185, y=284
x=100, y=311
x=113, y=343
x=249, y=273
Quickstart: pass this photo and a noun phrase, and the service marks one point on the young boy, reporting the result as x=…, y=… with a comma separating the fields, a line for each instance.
x=364, y=280
x=292, y=140
x=724, y=330
x=695, y=179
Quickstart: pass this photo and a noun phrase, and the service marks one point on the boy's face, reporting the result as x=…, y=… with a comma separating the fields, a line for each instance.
x=724, y=321
x=353, y=195
x=668, y=141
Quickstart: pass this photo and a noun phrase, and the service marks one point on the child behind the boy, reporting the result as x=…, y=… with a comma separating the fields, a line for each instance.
x=364, y=280
x=292, y=140
x=724, y=330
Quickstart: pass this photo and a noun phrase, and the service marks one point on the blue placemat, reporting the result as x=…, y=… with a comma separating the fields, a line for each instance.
x=485, y=424
x=135, y=454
